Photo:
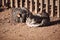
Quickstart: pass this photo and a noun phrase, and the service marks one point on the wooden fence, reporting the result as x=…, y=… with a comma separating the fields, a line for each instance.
x=36, y=6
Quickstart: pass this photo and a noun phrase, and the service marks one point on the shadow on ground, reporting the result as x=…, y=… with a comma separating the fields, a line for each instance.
x=1, y=9
x=55, y=22
x=52, y=23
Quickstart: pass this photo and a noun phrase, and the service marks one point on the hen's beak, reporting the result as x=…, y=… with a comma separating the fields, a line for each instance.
x=18, y=15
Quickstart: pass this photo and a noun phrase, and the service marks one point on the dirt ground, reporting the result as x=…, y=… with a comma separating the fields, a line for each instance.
x=21, y=31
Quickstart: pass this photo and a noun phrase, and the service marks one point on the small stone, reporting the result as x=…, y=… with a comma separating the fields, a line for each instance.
x=8, y=21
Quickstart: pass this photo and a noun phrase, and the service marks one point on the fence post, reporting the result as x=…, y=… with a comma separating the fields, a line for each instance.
x=26, y=4
x=36, y=6
x=41, y=5
x=58, y=8
x=11, y=3
x=31, y=6
x=16, y=4
x=46, y=1
x=52, y=7
x=21, y=3
x=6, y=1
x=2, y=2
